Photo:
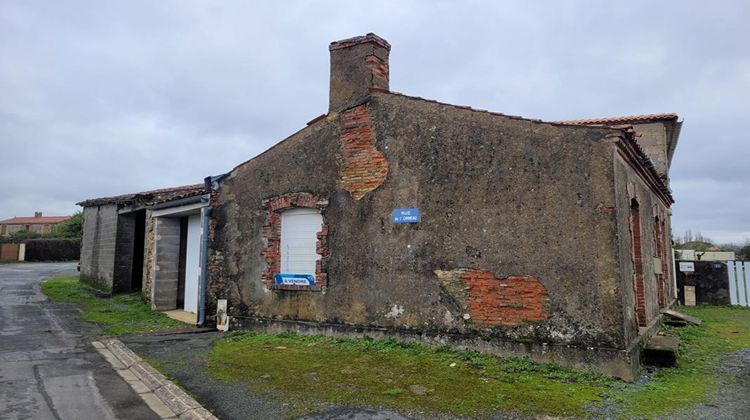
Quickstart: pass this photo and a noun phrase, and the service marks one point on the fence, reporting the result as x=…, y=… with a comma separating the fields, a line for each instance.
x=9, y=252
x=739, y=282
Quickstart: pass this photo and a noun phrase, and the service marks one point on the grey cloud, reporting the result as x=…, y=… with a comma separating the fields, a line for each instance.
x=101, y=98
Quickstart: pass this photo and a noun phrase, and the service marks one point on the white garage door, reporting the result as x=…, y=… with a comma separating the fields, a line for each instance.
x=299, y=229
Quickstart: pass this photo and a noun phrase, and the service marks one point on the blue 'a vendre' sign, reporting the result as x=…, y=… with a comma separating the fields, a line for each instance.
x=405, y=216
x=295, y=279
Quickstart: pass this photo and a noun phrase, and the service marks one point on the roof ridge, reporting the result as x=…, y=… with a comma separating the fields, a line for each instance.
x=500, y=114
x=133, y=196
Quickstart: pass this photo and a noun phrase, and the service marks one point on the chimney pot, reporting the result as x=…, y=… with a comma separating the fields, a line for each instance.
x=357, y=64
x=38, y=214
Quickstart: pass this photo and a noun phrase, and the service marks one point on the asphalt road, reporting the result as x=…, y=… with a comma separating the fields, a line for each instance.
x=48, y=369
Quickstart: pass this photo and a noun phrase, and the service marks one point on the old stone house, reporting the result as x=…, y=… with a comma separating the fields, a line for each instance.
x=393, y=215
x=37, y=224
x=522, y=236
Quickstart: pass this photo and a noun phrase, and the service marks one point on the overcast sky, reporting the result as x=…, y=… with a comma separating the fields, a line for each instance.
x=102, y=98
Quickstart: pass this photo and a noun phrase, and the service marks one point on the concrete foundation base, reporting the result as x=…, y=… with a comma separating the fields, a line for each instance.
x=183, y=316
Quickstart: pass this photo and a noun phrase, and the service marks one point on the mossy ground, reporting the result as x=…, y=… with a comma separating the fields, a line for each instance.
x=385, y=373
x=121, y=314
x=314, y=372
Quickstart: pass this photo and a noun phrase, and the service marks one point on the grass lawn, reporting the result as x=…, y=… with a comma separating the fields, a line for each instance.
x=311, y=372
x=121, y=314
x=724, y=330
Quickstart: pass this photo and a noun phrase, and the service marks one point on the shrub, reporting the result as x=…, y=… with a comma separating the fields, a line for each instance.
x=71, y=228
x=19, y=236
x=53, y=249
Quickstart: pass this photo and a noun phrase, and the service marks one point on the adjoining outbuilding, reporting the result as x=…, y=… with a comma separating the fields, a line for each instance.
x=396, y=216
x=148, y=241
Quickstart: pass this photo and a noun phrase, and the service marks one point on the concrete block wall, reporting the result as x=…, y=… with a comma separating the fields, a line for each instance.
x=98, y=246
x=122, y=276
x=166, y=263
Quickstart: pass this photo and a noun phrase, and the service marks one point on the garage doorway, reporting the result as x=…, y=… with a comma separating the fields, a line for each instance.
x=177, y=261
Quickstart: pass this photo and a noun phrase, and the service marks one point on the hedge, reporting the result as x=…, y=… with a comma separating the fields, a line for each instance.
x=53, y=249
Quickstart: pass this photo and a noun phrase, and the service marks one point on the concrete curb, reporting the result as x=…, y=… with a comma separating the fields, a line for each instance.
x=165, y=398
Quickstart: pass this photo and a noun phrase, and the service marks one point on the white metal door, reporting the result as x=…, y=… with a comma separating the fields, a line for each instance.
x=299, y=235
x=192, y=263
x=739, y=282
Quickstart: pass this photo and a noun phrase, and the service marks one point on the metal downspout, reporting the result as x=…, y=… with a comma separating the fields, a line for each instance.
x=203, y=258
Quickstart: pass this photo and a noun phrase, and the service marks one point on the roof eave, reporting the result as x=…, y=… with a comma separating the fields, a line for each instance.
x=674, y=138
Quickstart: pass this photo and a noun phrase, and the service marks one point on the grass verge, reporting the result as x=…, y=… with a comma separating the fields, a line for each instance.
x=121, y=314
x=313, y=372
x=724, y=330
x=385, y=373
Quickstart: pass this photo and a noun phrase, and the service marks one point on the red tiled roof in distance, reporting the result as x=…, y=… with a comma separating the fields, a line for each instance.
x=34, y=220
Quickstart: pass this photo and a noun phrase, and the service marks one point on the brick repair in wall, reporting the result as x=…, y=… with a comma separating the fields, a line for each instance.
x=639, y=286
x=489, y=300
x=362, y=167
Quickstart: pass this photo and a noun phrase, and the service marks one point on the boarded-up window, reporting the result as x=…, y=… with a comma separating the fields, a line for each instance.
x=299, y=229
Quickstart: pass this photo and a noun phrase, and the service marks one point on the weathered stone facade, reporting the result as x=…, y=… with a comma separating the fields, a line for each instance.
x=524, y=237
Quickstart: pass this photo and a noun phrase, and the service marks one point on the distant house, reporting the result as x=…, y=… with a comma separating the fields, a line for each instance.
x=37, y=224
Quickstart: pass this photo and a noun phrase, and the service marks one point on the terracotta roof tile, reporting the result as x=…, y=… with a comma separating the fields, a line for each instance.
x=34, y=220
x=634, y=119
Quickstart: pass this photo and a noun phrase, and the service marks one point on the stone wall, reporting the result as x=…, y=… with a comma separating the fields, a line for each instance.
x=519, y=201
x=148, y=257
x=652, y=138
x=654, y=241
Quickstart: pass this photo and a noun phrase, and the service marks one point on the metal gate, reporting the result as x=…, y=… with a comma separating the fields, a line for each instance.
x=739, y=282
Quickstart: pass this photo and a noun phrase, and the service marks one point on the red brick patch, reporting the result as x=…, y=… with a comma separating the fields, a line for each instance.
x=379, y=69
x=508, y=301
x=361, y=166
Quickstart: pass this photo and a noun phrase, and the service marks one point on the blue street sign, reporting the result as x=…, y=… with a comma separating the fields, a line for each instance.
x=405, y=216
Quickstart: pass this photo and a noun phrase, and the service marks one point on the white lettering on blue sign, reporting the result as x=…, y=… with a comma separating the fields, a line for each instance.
x=295, y=279
x=405, y=216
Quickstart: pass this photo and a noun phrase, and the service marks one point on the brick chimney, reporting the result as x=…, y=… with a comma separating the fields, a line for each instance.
x=357, y=64
x=37, y=214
